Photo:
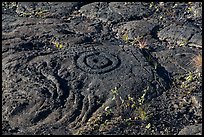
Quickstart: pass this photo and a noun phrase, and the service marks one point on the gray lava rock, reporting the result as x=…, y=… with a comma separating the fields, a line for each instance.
x=197, y=101
x=99, y=10
x=114, y=11
x=134, y=28
x=196, y=40
x=191, y=130
x=46, y=9
x=129, y=10
x=176, y=34
x=196, y=11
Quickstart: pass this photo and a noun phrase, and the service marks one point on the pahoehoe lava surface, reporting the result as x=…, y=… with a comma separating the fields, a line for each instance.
x=67, y=65
x=64, y=87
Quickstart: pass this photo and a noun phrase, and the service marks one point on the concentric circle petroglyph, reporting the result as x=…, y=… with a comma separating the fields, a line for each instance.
x=97, y=62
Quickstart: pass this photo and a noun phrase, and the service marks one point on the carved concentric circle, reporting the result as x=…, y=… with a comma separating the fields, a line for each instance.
x=97, y=62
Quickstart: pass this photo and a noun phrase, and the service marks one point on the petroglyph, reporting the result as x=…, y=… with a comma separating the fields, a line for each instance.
x=67, y=86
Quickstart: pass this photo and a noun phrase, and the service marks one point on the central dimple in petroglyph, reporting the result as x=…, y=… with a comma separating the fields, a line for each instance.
x=97, y=62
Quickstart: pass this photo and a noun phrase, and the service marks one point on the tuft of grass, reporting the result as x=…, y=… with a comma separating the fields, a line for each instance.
x=142, y=44
x=139, y=41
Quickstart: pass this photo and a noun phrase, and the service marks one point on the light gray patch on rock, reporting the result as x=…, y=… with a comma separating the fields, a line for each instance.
x=191, y=130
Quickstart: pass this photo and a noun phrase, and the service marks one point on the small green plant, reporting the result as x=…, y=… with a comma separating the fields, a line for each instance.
x=139, y=41
x=115, y=92
x=125, y=37
x=108, y=111
x=139, y=112
x=56, y=43
x=151, y=5
x=189, y=9
x=149, y=58
x=189, y=77
x=141, y=99
x=142, y=114
x=131, y=102
x=129, y=108
x=183, y=42
x=148, y=126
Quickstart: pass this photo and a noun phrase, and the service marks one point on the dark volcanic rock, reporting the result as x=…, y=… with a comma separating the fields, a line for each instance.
x=177, y=61
x=64, y=86
x=67, y=69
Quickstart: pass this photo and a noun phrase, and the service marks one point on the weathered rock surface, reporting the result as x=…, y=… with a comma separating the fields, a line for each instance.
x=192, y=130
x=114, y=11
x=64, y=86
x=66, y=68
x=135, y=29
x=181, y=35
x=177, y=61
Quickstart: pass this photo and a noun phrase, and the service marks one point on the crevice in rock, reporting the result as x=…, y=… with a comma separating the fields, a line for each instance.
x=160, y=70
